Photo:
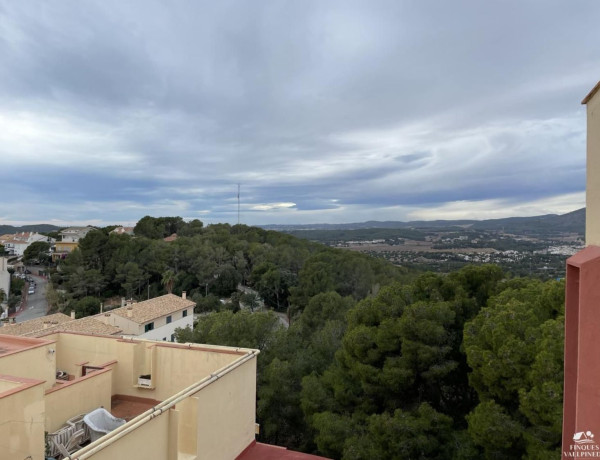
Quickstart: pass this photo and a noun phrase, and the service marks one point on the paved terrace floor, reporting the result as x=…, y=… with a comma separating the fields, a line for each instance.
x=129, y=407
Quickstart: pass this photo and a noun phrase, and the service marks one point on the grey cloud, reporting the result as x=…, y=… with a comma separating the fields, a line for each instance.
x=207, y=95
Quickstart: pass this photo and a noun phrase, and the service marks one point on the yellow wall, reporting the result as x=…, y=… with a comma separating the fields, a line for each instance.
x=189, y=366
x=78, y=398
x=74, y=349
x=226, y=414
x=149, y=442
x=22, y=424
x=65, y=246
x=36, y=363
x=175, y=368
x=215, y=423
x=592, y=227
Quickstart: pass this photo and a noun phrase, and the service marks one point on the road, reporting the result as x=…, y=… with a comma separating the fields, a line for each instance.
x=35, y=305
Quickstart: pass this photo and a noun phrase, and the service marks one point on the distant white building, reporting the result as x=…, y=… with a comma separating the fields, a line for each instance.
x=74, y=234
x=15, y=244
x=4, y=279
x=69, y=240
x=154, y=319
x=123, y=231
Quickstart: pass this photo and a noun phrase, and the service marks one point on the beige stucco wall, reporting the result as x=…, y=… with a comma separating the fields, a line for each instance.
x=173, y=369
x=22, y=424
x=35, y=363
x=189, y=366
x=592, y=226
x=215, y=423
x=148, y=442
x=77, y=398
x=227, y=414
x=74, y=349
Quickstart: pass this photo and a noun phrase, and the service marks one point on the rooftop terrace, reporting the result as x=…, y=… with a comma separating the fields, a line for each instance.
x=197, y=401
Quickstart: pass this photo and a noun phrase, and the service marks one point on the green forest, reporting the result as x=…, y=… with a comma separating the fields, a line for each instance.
x=378, y=361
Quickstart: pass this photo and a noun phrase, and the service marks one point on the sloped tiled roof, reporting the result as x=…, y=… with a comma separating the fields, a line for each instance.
x=59, y=322
x=15, y=241
x=87, y=325
x=148, y=310
x=33, y=325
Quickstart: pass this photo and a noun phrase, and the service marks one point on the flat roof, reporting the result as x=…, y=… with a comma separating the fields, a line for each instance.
x=260, y=451
x=10, y=384
x=10, y=344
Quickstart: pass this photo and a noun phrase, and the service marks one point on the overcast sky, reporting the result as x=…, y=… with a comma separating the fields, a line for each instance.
x=322, y=111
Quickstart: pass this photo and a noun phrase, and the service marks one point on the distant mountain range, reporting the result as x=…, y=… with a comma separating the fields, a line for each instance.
x=572, y=222
x=40, y=228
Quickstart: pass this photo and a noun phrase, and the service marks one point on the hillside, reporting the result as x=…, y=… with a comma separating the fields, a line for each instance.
x=40, y=228
x=572, y=222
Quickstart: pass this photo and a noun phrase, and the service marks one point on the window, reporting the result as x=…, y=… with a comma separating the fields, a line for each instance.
x=149, y=327
x=169, y=319
x=184, y=313
x=164, y=339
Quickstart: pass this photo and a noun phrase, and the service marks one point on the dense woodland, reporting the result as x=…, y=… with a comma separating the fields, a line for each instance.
x=378, y=362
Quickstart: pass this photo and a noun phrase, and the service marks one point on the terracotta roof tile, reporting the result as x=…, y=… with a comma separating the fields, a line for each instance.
x=148, y=310
x=59, y=322
x=87, y=325
x=34, y=325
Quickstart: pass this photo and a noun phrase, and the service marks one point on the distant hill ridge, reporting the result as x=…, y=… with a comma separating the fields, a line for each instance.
x=40, y=228
x=572, y=222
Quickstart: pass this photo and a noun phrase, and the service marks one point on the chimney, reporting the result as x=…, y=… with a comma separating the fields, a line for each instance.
x=122, y=301
x=45, y=324
x=72, y=314
x=183, y=295
x=129, y=312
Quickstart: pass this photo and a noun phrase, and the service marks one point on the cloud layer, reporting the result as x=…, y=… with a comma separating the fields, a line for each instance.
x=335, y=111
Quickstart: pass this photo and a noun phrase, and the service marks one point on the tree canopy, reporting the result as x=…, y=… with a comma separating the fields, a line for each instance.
x=377, y=361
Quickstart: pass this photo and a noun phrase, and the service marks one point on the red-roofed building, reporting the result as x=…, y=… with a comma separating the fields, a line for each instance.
x=259, y=451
